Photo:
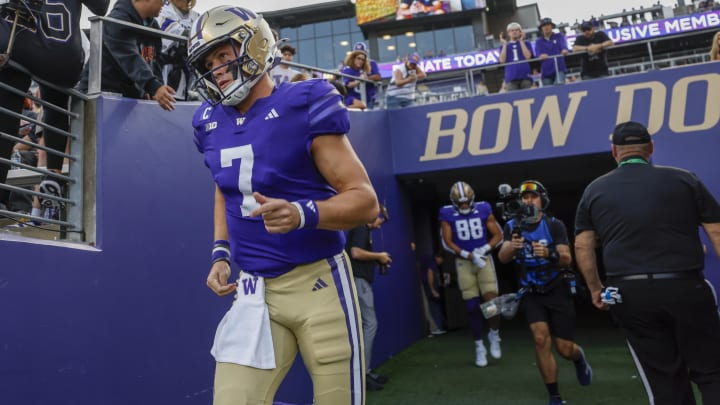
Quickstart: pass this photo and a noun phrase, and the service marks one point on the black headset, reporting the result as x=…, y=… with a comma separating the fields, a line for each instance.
x=540, y=190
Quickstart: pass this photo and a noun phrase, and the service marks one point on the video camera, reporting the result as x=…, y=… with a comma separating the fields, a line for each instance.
x=510, y=206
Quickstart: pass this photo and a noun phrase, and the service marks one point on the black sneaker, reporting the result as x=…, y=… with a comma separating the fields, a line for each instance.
x=371, y=384
x=380, y=379
x=52, y=187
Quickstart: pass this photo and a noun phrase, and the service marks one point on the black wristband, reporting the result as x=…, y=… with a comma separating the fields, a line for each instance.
x=222, y=259
x=554, y=256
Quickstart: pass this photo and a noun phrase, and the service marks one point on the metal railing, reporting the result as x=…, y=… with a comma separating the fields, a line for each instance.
x=71, y=222
x=466, y=77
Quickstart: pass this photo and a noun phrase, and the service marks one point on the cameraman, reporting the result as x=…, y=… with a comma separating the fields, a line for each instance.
x=538, y=245
x=363, y=261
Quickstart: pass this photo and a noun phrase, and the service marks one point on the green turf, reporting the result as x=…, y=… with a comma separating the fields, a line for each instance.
x=441, y=371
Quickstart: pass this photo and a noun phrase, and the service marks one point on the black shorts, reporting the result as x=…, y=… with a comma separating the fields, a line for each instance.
x=556, y=308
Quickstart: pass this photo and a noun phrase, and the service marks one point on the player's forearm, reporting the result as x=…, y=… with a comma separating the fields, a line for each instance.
x=220, y=231
x=351, y=208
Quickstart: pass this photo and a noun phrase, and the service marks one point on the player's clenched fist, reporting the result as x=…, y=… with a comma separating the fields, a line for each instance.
x=279, y=215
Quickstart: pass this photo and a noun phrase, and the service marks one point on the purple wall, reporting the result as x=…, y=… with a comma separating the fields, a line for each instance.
x=130, y=321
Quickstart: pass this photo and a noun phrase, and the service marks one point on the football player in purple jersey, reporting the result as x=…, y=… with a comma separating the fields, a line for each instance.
x=287, y=183
x=47, y=42
x=470, y=231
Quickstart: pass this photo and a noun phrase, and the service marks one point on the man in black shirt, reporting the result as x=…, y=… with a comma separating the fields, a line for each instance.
x=47, y=42
x=130, y=57
x=363, y=261
x=646, y=217
x=593, y=43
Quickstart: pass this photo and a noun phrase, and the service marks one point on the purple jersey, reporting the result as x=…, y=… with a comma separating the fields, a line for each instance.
x=551, y=46
x=468, y=231
x=517, y=71
x=268, y=150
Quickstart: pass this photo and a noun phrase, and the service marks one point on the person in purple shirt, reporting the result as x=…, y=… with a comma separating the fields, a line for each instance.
x=374, y=74
x=516, y=49
x=549, y=44
x=287, y=182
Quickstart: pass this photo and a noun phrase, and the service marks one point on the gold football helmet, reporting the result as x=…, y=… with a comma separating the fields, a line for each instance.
x=251, y=40
x=461, y=194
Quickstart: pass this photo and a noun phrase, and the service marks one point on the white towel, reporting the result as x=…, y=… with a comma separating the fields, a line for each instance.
x=243, y=335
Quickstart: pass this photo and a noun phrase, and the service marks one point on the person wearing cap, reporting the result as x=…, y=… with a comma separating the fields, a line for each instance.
x=593, y=43
x=401, y=90
x=282, y=72
x=646, y=220
x=517, y=49
x=372, y=74
x=538, y=246
x=356, y=64
x=548, y=44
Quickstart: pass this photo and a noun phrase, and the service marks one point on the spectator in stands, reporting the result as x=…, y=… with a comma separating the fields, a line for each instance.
x=300, y=77
x=401, y=90
x=370, y=89
x=28, y=155
x=39, y=51
x=593, y=43
x=130, y=63
x=715, y=49
x=548, y=44
x=356, y=64
x=282, y=72
x=516, y=49
x=176, y=17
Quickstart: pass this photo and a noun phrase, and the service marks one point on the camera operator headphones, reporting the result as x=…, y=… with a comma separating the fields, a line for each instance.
x=536, y=187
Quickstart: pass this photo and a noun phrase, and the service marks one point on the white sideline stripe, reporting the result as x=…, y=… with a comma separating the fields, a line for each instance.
x=350, y=303
x=643, y=377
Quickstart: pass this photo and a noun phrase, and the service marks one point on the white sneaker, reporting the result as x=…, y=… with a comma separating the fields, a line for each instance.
x=494, y=339
x=480, y=354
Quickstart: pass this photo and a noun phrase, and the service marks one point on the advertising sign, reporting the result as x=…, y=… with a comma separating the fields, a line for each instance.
x=373, y=11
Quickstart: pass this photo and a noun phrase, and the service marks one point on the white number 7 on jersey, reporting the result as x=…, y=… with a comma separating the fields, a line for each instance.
x=247, y=159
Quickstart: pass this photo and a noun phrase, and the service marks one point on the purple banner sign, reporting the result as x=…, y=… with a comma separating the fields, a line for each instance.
x=660, y=28
x=637, y=32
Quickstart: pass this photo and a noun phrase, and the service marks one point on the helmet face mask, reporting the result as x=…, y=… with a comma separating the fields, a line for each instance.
x=462, y=197
x=252, y=44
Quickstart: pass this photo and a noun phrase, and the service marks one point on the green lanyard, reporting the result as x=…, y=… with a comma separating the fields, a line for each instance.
x=633, y=161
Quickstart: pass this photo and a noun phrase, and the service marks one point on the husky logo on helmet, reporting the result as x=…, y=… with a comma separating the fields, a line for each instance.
x=253, y=45
x=461, y=193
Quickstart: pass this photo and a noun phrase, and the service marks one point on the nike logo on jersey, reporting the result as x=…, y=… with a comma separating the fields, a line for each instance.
x=319, y=284
x=272, y=115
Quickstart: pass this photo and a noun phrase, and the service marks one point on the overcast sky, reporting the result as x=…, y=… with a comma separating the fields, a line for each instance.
x=559, y=10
